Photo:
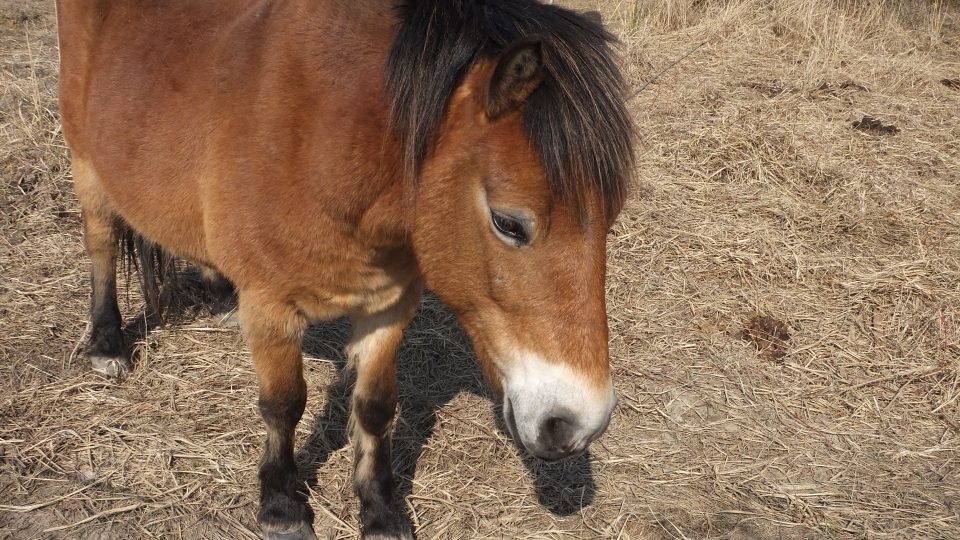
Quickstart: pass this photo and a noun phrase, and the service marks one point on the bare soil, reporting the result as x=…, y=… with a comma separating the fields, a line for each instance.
x=784, y=302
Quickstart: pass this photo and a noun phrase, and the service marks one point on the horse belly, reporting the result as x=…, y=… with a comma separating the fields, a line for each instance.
x=141, y=121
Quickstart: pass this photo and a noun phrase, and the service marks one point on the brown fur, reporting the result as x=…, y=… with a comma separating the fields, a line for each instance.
x=254, y=138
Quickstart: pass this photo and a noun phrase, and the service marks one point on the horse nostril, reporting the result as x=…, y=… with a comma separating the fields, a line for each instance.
x=557, y=433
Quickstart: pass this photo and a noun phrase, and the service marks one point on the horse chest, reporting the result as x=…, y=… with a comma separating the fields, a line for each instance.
x=365, y=280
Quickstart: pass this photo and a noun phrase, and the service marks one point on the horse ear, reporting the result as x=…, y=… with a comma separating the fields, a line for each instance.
x=518, y=73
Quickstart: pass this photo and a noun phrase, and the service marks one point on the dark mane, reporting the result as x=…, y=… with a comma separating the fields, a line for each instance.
x=576, y=120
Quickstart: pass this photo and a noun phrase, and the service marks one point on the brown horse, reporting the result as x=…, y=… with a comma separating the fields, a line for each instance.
x=333, y=157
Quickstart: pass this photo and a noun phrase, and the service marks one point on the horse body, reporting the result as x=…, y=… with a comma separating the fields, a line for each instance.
x=330, y=158
x=255, y=162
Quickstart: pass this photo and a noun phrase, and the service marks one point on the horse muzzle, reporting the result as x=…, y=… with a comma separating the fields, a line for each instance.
x=552, y=412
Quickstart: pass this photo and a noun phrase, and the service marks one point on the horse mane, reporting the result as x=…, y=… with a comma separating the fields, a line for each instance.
x=577, y=120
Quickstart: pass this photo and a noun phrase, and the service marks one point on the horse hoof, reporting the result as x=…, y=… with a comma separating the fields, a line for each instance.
x=403, y=533
x=298, y=532
x=112, y=367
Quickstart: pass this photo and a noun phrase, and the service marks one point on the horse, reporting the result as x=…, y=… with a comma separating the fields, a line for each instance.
x=334, y=158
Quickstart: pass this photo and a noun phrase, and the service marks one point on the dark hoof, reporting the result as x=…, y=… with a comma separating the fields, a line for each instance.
x=112, y=367
x=285, y=516
x=302, y=531
x=387, y=529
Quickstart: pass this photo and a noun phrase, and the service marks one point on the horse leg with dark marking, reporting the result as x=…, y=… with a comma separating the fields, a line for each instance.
x=372, y=353
x=274, y=332
x=106, y=348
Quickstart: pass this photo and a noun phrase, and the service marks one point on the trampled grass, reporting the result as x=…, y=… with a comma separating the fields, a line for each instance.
x=784, y=301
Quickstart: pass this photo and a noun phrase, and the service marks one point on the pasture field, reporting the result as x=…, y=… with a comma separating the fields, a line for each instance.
x=783, y=293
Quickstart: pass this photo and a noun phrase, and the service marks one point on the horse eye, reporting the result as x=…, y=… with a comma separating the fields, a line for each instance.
x=510, y=227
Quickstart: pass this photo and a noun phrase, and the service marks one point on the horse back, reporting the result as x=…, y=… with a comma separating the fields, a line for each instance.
x=230, y=132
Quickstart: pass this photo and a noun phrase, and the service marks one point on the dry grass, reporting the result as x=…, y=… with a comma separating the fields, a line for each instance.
x=756, y=197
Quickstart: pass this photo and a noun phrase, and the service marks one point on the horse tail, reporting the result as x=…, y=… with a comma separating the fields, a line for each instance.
x=157, y=269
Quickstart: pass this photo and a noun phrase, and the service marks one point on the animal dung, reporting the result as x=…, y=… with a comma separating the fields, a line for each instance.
x=870, y=124
x=768, y=335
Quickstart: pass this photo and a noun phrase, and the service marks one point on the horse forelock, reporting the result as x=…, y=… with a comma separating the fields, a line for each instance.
x=577, y=120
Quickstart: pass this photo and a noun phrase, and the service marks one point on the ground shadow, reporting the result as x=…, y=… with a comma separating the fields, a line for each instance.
x=185, y=297
x=435, y=364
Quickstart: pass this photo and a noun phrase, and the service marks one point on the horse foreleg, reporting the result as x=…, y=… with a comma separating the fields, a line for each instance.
x=372, y=353
x=274, y=332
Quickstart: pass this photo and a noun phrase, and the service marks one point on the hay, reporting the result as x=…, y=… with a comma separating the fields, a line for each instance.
x=755, y=196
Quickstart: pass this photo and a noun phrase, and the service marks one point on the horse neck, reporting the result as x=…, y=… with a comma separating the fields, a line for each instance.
x=369, y=180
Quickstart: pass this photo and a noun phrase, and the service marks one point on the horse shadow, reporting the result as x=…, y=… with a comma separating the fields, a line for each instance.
x=434, y=365
x=185, y=297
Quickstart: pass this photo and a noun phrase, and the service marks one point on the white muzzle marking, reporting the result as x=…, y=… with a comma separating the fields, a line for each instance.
x=537, y=393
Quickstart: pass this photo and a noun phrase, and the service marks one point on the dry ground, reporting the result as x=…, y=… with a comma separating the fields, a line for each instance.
x=757, y=204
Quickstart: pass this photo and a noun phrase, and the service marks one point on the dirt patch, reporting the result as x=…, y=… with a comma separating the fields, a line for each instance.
x=873, y=125
x=768, y=335
x=767, y=89
x=744, y=206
